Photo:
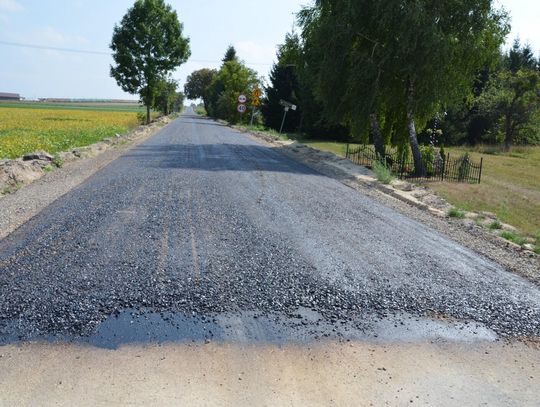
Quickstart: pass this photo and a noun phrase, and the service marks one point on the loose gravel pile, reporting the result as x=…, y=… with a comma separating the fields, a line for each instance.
x=201, y=220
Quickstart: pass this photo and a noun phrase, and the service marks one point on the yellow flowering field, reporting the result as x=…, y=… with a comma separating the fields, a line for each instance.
x=24, y=130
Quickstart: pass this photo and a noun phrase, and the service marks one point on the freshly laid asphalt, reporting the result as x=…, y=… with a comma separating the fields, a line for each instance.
x=205, y=228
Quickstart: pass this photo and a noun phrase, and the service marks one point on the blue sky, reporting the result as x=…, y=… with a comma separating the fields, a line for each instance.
x=254, y=27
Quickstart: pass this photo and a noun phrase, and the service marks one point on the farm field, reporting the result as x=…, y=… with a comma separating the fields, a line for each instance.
x=95, y=106
x=25, y=129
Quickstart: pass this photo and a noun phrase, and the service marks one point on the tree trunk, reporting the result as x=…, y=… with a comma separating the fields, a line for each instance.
x=377, y=136
x=419, y=169
x=147, y=114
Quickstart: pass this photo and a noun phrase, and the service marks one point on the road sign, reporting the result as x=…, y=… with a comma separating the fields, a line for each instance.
x=255, y=102
x=242, y=99
x=242, y=108
x=256, y=93
x=286, y=104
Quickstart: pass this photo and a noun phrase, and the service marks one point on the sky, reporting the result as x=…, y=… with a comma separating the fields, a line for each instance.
x=254, y=27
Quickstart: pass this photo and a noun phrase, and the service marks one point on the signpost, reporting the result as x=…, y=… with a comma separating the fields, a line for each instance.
x=255, y=102
x=241, y=108
x=287, y=106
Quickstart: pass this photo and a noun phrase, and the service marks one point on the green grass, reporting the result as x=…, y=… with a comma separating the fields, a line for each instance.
x=514, y=237
x=456, y=213
x=495, y=225
x=510, y=186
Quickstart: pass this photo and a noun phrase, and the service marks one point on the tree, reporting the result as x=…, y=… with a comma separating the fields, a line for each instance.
x=519, y=57
x=514, y=100
x=147, y=45
x=283, y=86
x=230, y=55
x=178, y=104
x=233, y=79
x=198, y=85
x=398, y=62
x=165, y=95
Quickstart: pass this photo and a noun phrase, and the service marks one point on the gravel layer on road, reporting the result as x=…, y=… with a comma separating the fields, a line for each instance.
x=202, y=220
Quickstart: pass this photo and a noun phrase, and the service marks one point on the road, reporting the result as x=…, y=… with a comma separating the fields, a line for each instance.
x=201, y=234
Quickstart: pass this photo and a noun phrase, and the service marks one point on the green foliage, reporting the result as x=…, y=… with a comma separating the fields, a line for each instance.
x=495, y=225
x=232, y=80
x=57, y=161
x=284, y=85
x=428, y=157
x=147, y=45
x=230, y=55
x=513, y=237
x=456, y=213
x=513, y=101
x=166, y=96
x=198, y=85
x=382, y=172
x=372, y=58
x=464, y=167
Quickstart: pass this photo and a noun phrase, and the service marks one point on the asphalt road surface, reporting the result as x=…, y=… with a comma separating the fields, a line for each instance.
x=203, y=233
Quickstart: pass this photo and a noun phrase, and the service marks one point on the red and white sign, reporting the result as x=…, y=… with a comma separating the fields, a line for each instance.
x=242, y=108
x=242, y=99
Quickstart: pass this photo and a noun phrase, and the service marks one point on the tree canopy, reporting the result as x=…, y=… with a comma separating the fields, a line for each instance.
x=198, y=85
x=147, y=45
x=397, y=63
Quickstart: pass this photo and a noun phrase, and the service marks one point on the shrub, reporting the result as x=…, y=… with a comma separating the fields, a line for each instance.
x=456, y=213
x=495, y=225
x=382, y=172
x=428, y=157
x=57, y=161
x=464, y=167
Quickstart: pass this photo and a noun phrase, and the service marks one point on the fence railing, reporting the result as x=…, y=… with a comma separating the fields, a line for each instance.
x=461, y=169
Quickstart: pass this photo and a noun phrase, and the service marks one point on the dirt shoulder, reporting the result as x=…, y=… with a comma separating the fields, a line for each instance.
x=423, y=207
x=45, y=187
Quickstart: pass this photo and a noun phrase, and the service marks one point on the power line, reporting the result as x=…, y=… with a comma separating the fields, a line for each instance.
x=46, y=47
x=90, y=52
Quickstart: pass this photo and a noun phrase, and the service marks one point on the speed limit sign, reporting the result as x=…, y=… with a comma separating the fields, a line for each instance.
x=242, y=99
x=242, y=108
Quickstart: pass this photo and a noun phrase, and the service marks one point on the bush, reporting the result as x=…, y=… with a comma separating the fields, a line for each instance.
x=456, y=213
x=495, y=225
x=57, y=161
x=382, y=172
x=428, y=157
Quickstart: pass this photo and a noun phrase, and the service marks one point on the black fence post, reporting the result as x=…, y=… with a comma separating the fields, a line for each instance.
x=480, y=174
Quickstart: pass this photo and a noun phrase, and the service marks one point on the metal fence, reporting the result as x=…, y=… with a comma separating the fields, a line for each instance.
x=461, y=169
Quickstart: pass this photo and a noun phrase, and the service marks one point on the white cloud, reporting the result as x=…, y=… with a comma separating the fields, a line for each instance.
x=10, y=5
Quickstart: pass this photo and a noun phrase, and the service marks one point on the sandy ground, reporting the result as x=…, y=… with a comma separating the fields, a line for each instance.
x=331, y=374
